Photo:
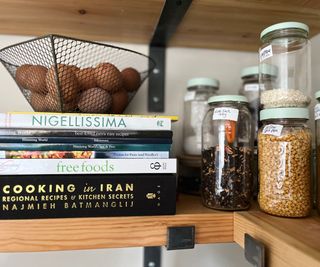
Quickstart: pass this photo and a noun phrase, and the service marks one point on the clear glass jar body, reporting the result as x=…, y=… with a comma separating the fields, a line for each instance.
x=317, y=124
x=227, y=152
x=285, y=167
x=195, y=108
x=288, y=50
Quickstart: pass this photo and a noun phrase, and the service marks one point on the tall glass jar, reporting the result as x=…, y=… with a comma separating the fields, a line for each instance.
x=286, y=47
x=199, y=90
x=284, y=147
x=226, y=171
x=317, y=120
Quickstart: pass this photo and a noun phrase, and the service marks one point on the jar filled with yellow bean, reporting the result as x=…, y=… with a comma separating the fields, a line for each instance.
x=284, y=155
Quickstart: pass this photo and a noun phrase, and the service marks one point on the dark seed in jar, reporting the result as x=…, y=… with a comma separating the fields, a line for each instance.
x=227, y=177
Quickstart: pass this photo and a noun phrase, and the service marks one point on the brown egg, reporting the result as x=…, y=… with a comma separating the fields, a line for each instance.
x=36, y=80
x=38, y=102
x=69, y=87
x=95, y=100
x=52, y=102
x=86, y=78
x=22, y=75
x=131, y=79
x=108, y=77
x=119, y=101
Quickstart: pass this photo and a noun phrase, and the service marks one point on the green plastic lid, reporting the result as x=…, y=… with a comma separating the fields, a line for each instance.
x=203, y=81
x=284, y=25
x=233, y=98
x=284, y=113
x=317, y=95
x=265, y=69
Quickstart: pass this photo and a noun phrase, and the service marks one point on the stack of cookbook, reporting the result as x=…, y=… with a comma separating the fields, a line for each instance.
x=85, y=165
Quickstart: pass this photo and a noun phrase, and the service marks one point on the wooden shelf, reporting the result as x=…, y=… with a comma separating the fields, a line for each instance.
x=221, y=24
x=289, y=242
x=236, y=25
x=92, y=233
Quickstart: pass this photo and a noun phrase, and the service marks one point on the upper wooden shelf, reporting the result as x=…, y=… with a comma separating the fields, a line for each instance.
x=220, y=24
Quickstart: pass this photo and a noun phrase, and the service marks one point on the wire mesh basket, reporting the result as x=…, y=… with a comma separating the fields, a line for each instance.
x=62, y=74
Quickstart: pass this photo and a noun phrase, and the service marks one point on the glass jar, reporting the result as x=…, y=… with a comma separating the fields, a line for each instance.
x=317, y=120
x=284, y=147
x=251, y=90
x=199, y=90
x=227, y=152
x=286, y=47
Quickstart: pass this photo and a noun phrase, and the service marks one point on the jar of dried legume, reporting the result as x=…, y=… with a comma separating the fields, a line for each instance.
x=227, y=152
x=284, y=155
x=287, y=48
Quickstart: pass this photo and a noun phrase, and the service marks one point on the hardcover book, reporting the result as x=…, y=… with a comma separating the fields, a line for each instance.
x=63, y=196
x=43, y=120
x=86, y=166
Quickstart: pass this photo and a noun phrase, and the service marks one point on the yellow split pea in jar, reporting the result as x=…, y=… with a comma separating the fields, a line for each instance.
x=284, y=155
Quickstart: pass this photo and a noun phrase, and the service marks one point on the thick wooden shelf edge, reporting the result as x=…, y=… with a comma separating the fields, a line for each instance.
x=288, y=242
x=114, y=232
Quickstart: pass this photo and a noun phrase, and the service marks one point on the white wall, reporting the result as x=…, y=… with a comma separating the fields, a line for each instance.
x=182, y=64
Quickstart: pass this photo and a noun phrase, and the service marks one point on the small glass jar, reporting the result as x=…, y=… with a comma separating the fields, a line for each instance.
x=199, y=90
x=251, y=90
x=286, y=47
x=284, y=147
x=227, y=152
x=317, y=120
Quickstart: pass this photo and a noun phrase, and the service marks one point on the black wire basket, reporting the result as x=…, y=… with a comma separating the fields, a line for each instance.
x=62, y=74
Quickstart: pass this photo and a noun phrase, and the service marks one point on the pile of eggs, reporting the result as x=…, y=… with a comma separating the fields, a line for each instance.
x=100, y=89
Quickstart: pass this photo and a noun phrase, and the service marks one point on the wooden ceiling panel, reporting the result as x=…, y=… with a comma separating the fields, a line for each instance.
x=236, y=25
x=106, y=20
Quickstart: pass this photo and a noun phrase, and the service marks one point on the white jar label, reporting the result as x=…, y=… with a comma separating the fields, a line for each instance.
x=225, y=114
x=251, y=87
x=190, y=96
x=273, y=129
x=266, y=53
x=317, y=112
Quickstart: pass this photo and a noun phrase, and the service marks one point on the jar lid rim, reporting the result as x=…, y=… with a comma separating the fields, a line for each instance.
x=205, y=81
x=284, y=113
x=263, y=68
x=222, y=98
x=285, y=25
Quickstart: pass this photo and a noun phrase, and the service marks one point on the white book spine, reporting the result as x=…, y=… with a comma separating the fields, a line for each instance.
x=86, y=166
x=83, y=121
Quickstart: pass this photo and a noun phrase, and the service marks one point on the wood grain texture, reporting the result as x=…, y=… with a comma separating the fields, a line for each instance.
x=236, y=25
x=92, y=233
x=108, y=20
x=289, y=242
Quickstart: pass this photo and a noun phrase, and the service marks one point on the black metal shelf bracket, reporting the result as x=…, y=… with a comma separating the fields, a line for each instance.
x=181, y=237
x=172, y=14
x=152, y=257
x=254, y=251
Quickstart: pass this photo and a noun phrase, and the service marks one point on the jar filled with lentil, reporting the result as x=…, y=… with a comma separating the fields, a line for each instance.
x=199, y=90
x=317, y=120
x=227, y=152
x=284, y=155
x=286, y=47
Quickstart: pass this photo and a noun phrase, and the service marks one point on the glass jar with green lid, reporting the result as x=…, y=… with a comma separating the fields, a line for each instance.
x=199, y=90
x=284, y=156
x=251, y=90
x=286, y=47
x=227, y=152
